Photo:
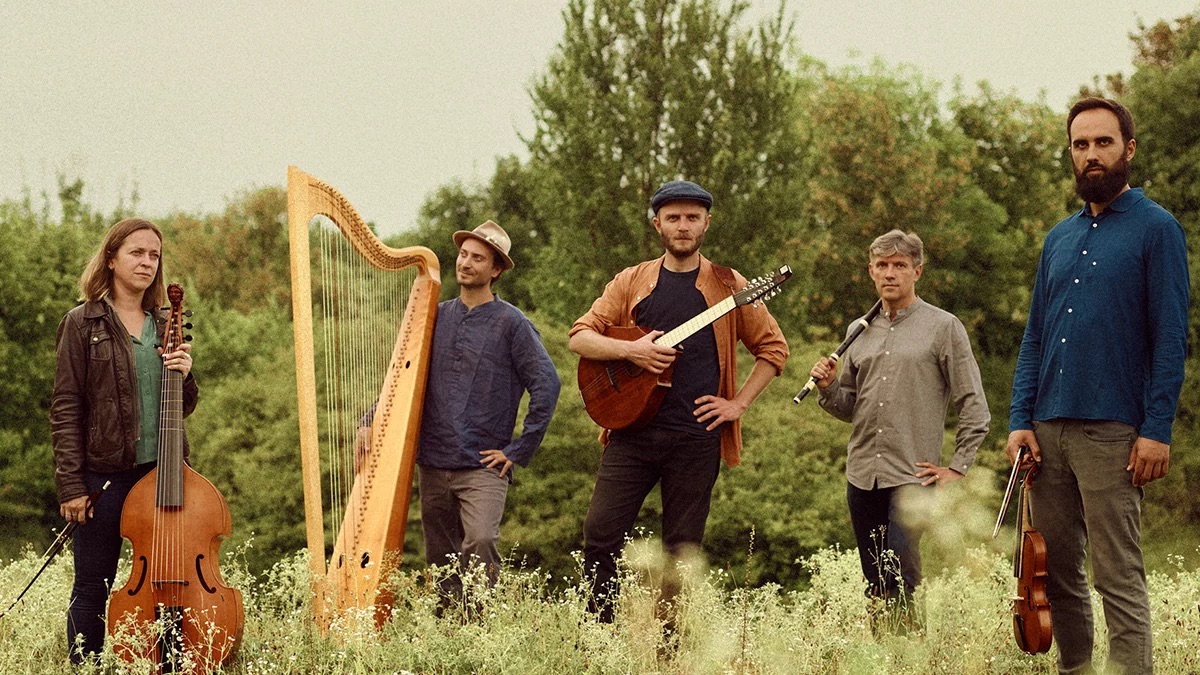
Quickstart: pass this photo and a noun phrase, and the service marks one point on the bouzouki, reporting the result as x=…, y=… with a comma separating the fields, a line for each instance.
x=620, y=395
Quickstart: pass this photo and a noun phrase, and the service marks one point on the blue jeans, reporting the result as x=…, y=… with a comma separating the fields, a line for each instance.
x=632, y=464
x=97, y=546
x=888, y=549
x=1083, y=498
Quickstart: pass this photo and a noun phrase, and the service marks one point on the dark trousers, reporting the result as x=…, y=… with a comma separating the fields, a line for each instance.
x=97, y=546
x=632, y=464
x=1083, y=500
x=888, y=549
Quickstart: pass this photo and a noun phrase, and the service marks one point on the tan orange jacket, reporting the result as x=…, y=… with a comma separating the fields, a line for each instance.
x=752, y=324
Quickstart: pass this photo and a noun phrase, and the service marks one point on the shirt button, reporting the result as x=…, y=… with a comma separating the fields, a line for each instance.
x=1085, y=252
x=1064, y=339
x=887, y=353
x=1093, y=263
x=1076, y=281
x=880, y=405
x=885, y=379
x=1095, y=224
x=879, y=431
x=1070, y=309
x=877, y=455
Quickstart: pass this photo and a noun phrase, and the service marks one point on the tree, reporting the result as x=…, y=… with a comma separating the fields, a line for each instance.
x=647, y=91
x=1017, y=157
x=40, y=264
x=249, y=239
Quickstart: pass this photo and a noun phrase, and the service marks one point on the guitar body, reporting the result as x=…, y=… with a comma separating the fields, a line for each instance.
x=618, y=394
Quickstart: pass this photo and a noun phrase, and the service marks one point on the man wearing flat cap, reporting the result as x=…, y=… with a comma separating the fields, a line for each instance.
x=486, y=355
x=698, y=422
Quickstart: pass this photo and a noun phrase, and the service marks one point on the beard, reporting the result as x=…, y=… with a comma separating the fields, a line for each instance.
x=1103, y=188
x=682, y=248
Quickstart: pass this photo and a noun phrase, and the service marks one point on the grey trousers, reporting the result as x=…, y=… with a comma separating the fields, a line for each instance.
x=1084, y=497
x=460, y=516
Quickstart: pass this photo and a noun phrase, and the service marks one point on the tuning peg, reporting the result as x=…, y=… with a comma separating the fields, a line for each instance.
x=187, y=312
x=187, y=338
x=188, y=325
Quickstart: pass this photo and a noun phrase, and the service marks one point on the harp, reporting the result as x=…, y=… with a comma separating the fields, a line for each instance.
x=363, y=314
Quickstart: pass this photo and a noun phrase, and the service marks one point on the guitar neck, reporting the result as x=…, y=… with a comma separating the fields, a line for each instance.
x=685, y=330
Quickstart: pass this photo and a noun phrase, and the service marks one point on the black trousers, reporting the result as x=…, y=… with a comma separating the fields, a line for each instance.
x=632, y=464
x=889, y=550
x=97, y=546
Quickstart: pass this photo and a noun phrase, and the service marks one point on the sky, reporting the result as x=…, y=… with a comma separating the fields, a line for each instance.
x=192, y=104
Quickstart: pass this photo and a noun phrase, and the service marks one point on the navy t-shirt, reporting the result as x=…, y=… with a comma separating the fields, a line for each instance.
x=697, y=369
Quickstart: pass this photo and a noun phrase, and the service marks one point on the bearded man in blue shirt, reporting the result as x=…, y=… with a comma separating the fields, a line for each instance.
x=486, y=355
x=1096, y=387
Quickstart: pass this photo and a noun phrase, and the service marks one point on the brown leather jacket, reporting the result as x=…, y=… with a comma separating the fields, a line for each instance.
x=95, y=412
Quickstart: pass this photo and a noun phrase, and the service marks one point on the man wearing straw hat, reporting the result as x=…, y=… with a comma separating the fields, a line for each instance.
x=486, y=355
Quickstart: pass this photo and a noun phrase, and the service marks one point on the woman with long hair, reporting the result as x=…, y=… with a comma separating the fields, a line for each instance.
x=105, y=410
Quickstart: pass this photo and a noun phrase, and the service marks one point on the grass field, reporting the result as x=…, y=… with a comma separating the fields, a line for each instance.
x=721, y=625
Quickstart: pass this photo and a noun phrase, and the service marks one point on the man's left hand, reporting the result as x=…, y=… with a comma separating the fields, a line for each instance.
x=932, y=473
x=717, y=409
x=1149, y=460
x=493, y=458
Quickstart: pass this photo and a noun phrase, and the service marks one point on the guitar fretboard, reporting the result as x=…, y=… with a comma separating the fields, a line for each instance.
x=676, y=336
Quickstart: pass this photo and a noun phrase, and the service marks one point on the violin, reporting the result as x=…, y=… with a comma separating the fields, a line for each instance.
x=175, y=610
x=1032, y=624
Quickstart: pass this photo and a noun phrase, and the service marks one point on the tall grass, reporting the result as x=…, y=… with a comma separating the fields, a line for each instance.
x=720, y=623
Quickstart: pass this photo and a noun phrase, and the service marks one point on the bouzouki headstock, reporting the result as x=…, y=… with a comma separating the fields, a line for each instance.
x=762, y=288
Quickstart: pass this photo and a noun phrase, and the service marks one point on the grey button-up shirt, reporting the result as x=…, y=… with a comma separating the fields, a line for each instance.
x=894, y=384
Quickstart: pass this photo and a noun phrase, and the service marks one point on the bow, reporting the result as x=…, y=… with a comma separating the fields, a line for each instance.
x=55, y=548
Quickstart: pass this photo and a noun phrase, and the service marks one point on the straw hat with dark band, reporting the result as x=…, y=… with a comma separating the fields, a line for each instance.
x=491, y=234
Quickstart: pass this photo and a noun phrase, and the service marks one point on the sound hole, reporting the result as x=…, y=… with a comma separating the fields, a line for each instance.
x=141, y=578
x=366, y=559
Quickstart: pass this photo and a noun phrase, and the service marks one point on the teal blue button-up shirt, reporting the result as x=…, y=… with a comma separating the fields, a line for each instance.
x=1107, y=331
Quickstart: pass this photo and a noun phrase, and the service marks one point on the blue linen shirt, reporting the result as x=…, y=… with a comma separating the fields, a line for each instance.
x=1107, y=329
x=483, y=362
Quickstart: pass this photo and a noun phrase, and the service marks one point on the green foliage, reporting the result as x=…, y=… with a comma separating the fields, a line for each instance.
x=249, y=240
x=40, y=263
x=244, y=435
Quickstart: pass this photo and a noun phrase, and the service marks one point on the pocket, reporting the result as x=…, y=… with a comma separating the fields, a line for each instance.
x=1109, y=432
x=104, y=434
x=100, y=346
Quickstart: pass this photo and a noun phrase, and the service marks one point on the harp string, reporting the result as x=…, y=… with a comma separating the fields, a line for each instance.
x=361, y=308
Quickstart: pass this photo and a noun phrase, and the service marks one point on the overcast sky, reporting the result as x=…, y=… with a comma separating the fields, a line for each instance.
x=195, y=102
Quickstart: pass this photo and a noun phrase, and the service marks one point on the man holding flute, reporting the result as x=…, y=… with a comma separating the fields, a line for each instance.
x=897, y=378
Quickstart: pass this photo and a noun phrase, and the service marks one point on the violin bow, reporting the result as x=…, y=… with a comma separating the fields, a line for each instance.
x=1008, y=492
x=56, y=547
